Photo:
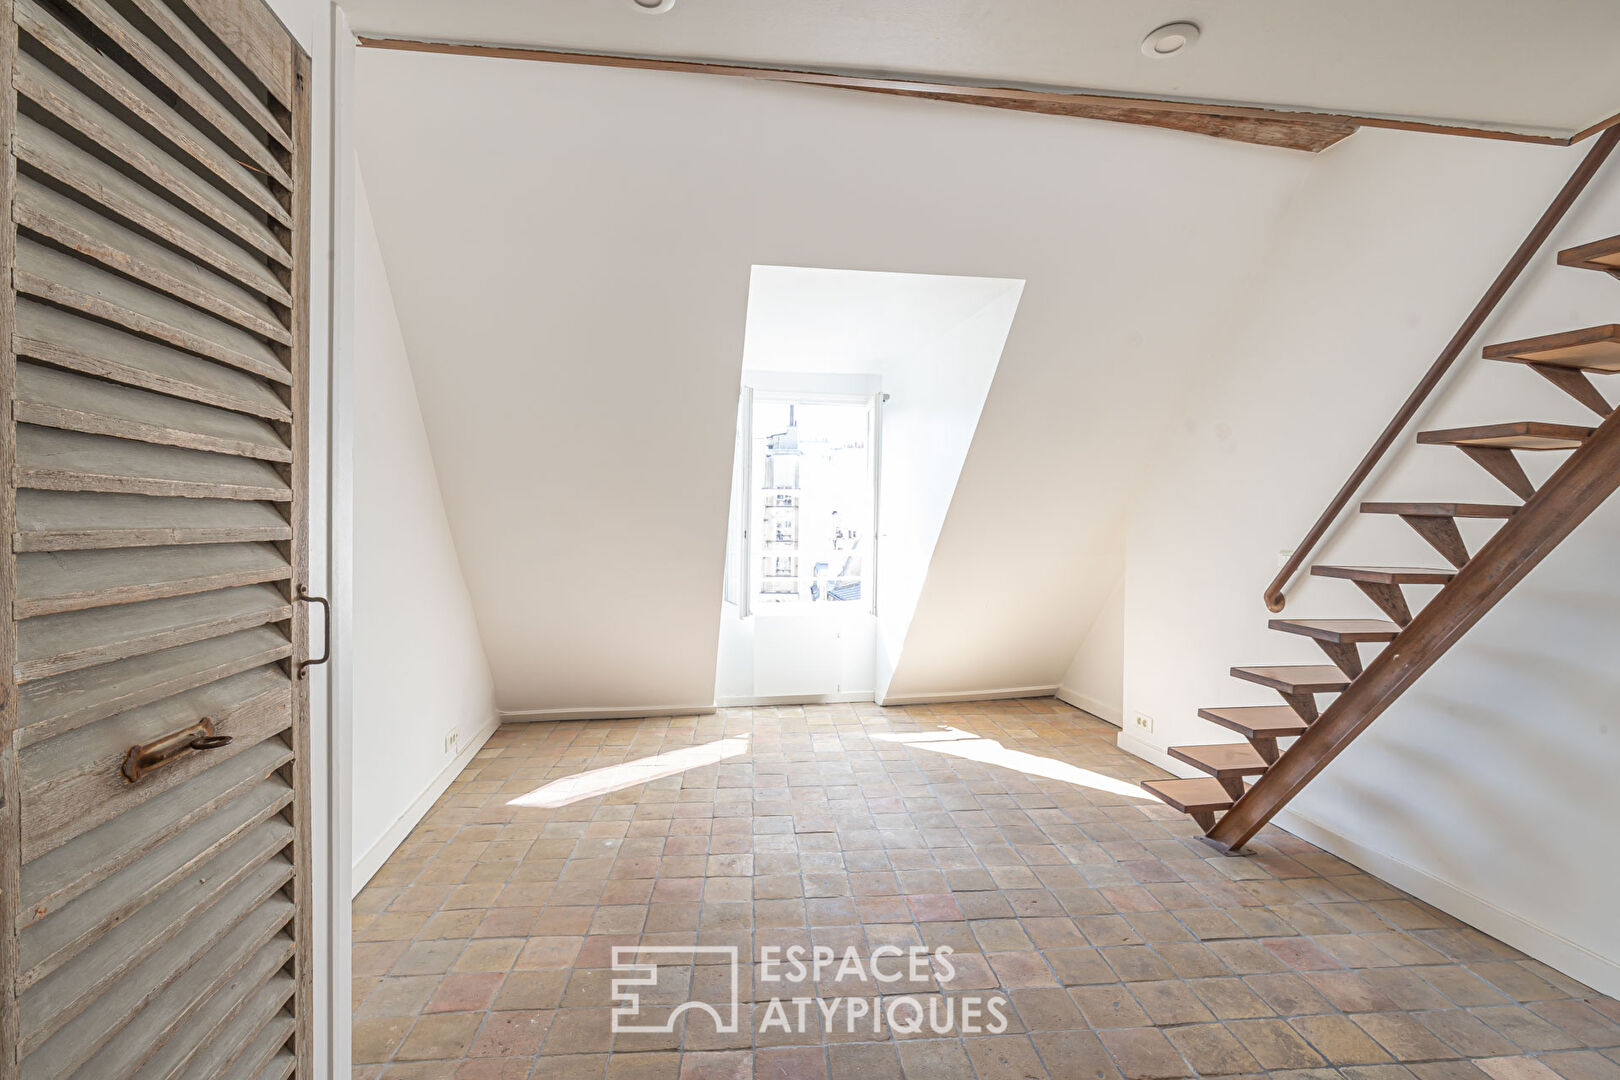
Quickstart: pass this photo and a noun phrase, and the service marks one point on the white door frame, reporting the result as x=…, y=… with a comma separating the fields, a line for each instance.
x=331, y=527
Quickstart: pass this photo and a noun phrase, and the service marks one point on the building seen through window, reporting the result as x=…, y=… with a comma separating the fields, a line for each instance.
x=811, y=503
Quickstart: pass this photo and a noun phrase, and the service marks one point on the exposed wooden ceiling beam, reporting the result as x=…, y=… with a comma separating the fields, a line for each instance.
x=1293, y=129
x=1290, y=134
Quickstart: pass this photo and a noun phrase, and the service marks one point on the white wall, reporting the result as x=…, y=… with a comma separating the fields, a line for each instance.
x=1095, y=680
x=574, y=303
x=419, y=667
x=937, y=395
x=1488, y=789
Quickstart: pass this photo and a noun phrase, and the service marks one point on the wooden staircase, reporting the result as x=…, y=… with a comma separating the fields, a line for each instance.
x=1250, y=781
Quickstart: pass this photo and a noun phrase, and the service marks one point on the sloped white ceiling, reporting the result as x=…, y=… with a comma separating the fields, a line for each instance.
x=1531, y=65
x=570, y=251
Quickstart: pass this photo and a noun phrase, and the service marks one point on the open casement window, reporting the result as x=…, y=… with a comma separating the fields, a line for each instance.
x=805, y=503
x=155, y=870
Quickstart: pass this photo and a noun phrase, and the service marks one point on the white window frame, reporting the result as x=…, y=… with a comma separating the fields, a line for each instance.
x=745, y=504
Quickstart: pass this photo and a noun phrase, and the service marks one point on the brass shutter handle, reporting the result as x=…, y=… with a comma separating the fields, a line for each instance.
x=144, y=758
x=326, y=641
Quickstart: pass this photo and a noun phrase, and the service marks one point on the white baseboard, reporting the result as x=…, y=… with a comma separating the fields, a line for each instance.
x=367, y=865
x=1578, y=962
x=792, y=699
x=1102, y=710
x=1599, y=972
x=969, y=695
x=614, y=712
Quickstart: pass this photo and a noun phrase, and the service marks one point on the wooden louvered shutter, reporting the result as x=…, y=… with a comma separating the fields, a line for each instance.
x=155, y=362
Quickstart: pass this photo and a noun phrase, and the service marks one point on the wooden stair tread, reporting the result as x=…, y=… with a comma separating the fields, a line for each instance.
x=1596, y=348
x=1598, y=255
x=1296, y=678
x=1197, y=795
x=1517, y=435
x=1440, y=509
x=1257, y=721
x=1222, y=760
x=1386, y=575
x=1339, y=631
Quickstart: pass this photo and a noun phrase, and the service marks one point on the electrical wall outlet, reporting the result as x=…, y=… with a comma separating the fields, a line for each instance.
x=452, y=742
x=1283, y=556
x=1143, y=724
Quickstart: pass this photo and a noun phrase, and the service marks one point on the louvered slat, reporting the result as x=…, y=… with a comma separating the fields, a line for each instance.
x=187, y=92
x=64, y=340
x=57, y=521
x=225, y=1026
x=49, y=583
x=137, y=101
x=67, y=991
x=185, y=42
x=250, y=38
x=280, y=1067
x=76, y=168
x=72, y=783
x=154, y=996
x=47, y=945
x=54, y=276
x=57, y=644
x=100, y=128
x=50, y=459
x=54, y=706
x=53, y=880
x=47, y=397
x=225, y=966
x=66, y=222
x=256, y=1060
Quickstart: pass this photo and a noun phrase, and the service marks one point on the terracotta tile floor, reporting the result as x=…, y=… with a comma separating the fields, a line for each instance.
x=1118, y=944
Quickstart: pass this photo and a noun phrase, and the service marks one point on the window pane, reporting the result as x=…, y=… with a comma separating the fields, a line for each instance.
x=812, y=502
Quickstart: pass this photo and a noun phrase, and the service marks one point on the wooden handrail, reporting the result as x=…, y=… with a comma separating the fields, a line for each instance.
x=1555, y=212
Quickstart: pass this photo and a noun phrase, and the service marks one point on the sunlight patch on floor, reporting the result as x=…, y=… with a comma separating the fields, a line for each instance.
x=589, y=785
x=965, y=744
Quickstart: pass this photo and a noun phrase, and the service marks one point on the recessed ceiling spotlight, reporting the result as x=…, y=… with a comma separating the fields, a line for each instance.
x=1167, y=40
x=652, y=7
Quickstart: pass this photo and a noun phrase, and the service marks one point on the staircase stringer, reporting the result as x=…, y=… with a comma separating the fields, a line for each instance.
x=1589, y=476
